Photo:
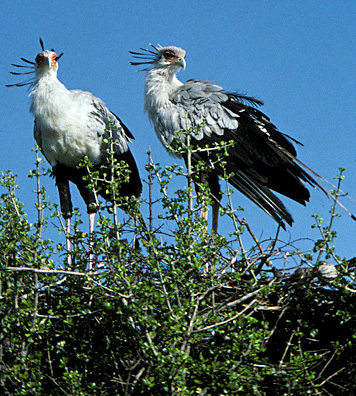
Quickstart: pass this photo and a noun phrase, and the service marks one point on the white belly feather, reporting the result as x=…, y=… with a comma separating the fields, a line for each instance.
x=68, y=143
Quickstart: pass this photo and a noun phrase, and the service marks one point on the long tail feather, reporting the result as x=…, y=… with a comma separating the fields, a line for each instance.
x=313, y=181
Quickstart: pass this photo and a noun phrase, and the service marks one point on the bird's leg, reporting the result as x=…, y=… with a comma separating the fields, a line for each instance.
x=68, y=244
x=216, y=198
x=62, y=184
x=91, y=230
x=215, y=217
x=205, y=214
x=90, y=199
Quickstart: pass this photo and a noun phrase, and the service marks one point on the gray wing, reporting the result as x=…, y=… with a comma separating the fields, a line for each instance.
x=261, y=159
x=195, y=104
x=220, y=115
x=101, y=120
x=38, y=137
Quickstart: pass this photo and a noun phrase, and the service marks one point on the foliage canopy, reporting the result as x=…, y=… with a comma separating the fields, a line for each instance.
x=267, y=319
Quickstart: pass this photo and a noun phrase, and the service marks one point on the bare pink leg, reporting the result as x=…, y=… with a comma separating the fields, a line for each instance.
x=68, y=244
x=204, y=214
x=91, y=230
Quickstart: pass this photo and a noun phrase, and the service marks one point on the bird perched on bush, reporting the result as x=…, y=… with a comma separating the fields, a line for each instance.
x=72, y=124
x=260, y=158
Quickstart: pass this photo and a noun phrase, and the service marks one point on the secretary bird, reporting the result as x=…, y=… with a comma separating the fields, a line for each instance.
x=72, y=124
x=260, y=160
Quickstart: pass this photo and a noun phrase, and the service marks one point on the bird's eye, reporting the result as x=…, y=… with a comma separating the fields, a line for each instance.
x=39, y=57
x=169, y=54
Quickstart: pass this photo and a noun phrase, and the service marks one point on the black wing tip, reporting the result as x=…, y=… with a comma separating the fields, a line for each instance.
x=288, y=219
x=282, y=225
x=281, y=221
x=251, y=100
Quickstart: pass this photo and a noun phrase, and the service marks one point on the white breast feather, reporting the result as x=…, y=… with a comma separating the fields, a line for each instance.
x=160, y=109
x=66, y=131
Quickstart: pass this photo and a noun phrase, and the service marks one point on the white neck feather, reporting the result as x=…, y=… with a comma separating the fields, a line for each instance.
x=159, y=84
x=47, y=96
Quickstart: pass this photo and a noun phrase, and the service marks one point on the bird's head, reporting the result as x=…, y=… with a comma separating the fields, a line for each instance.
x=172, y=58
x=45, y=61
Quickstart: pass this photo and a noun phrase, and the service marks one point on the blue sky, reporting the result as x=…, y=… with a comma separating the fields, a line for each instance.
x=299, y=57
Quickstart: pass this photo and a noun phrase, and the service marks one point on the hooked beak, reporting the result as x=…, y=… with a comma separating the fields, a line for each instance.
x=53, y=60
x=181, y=62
